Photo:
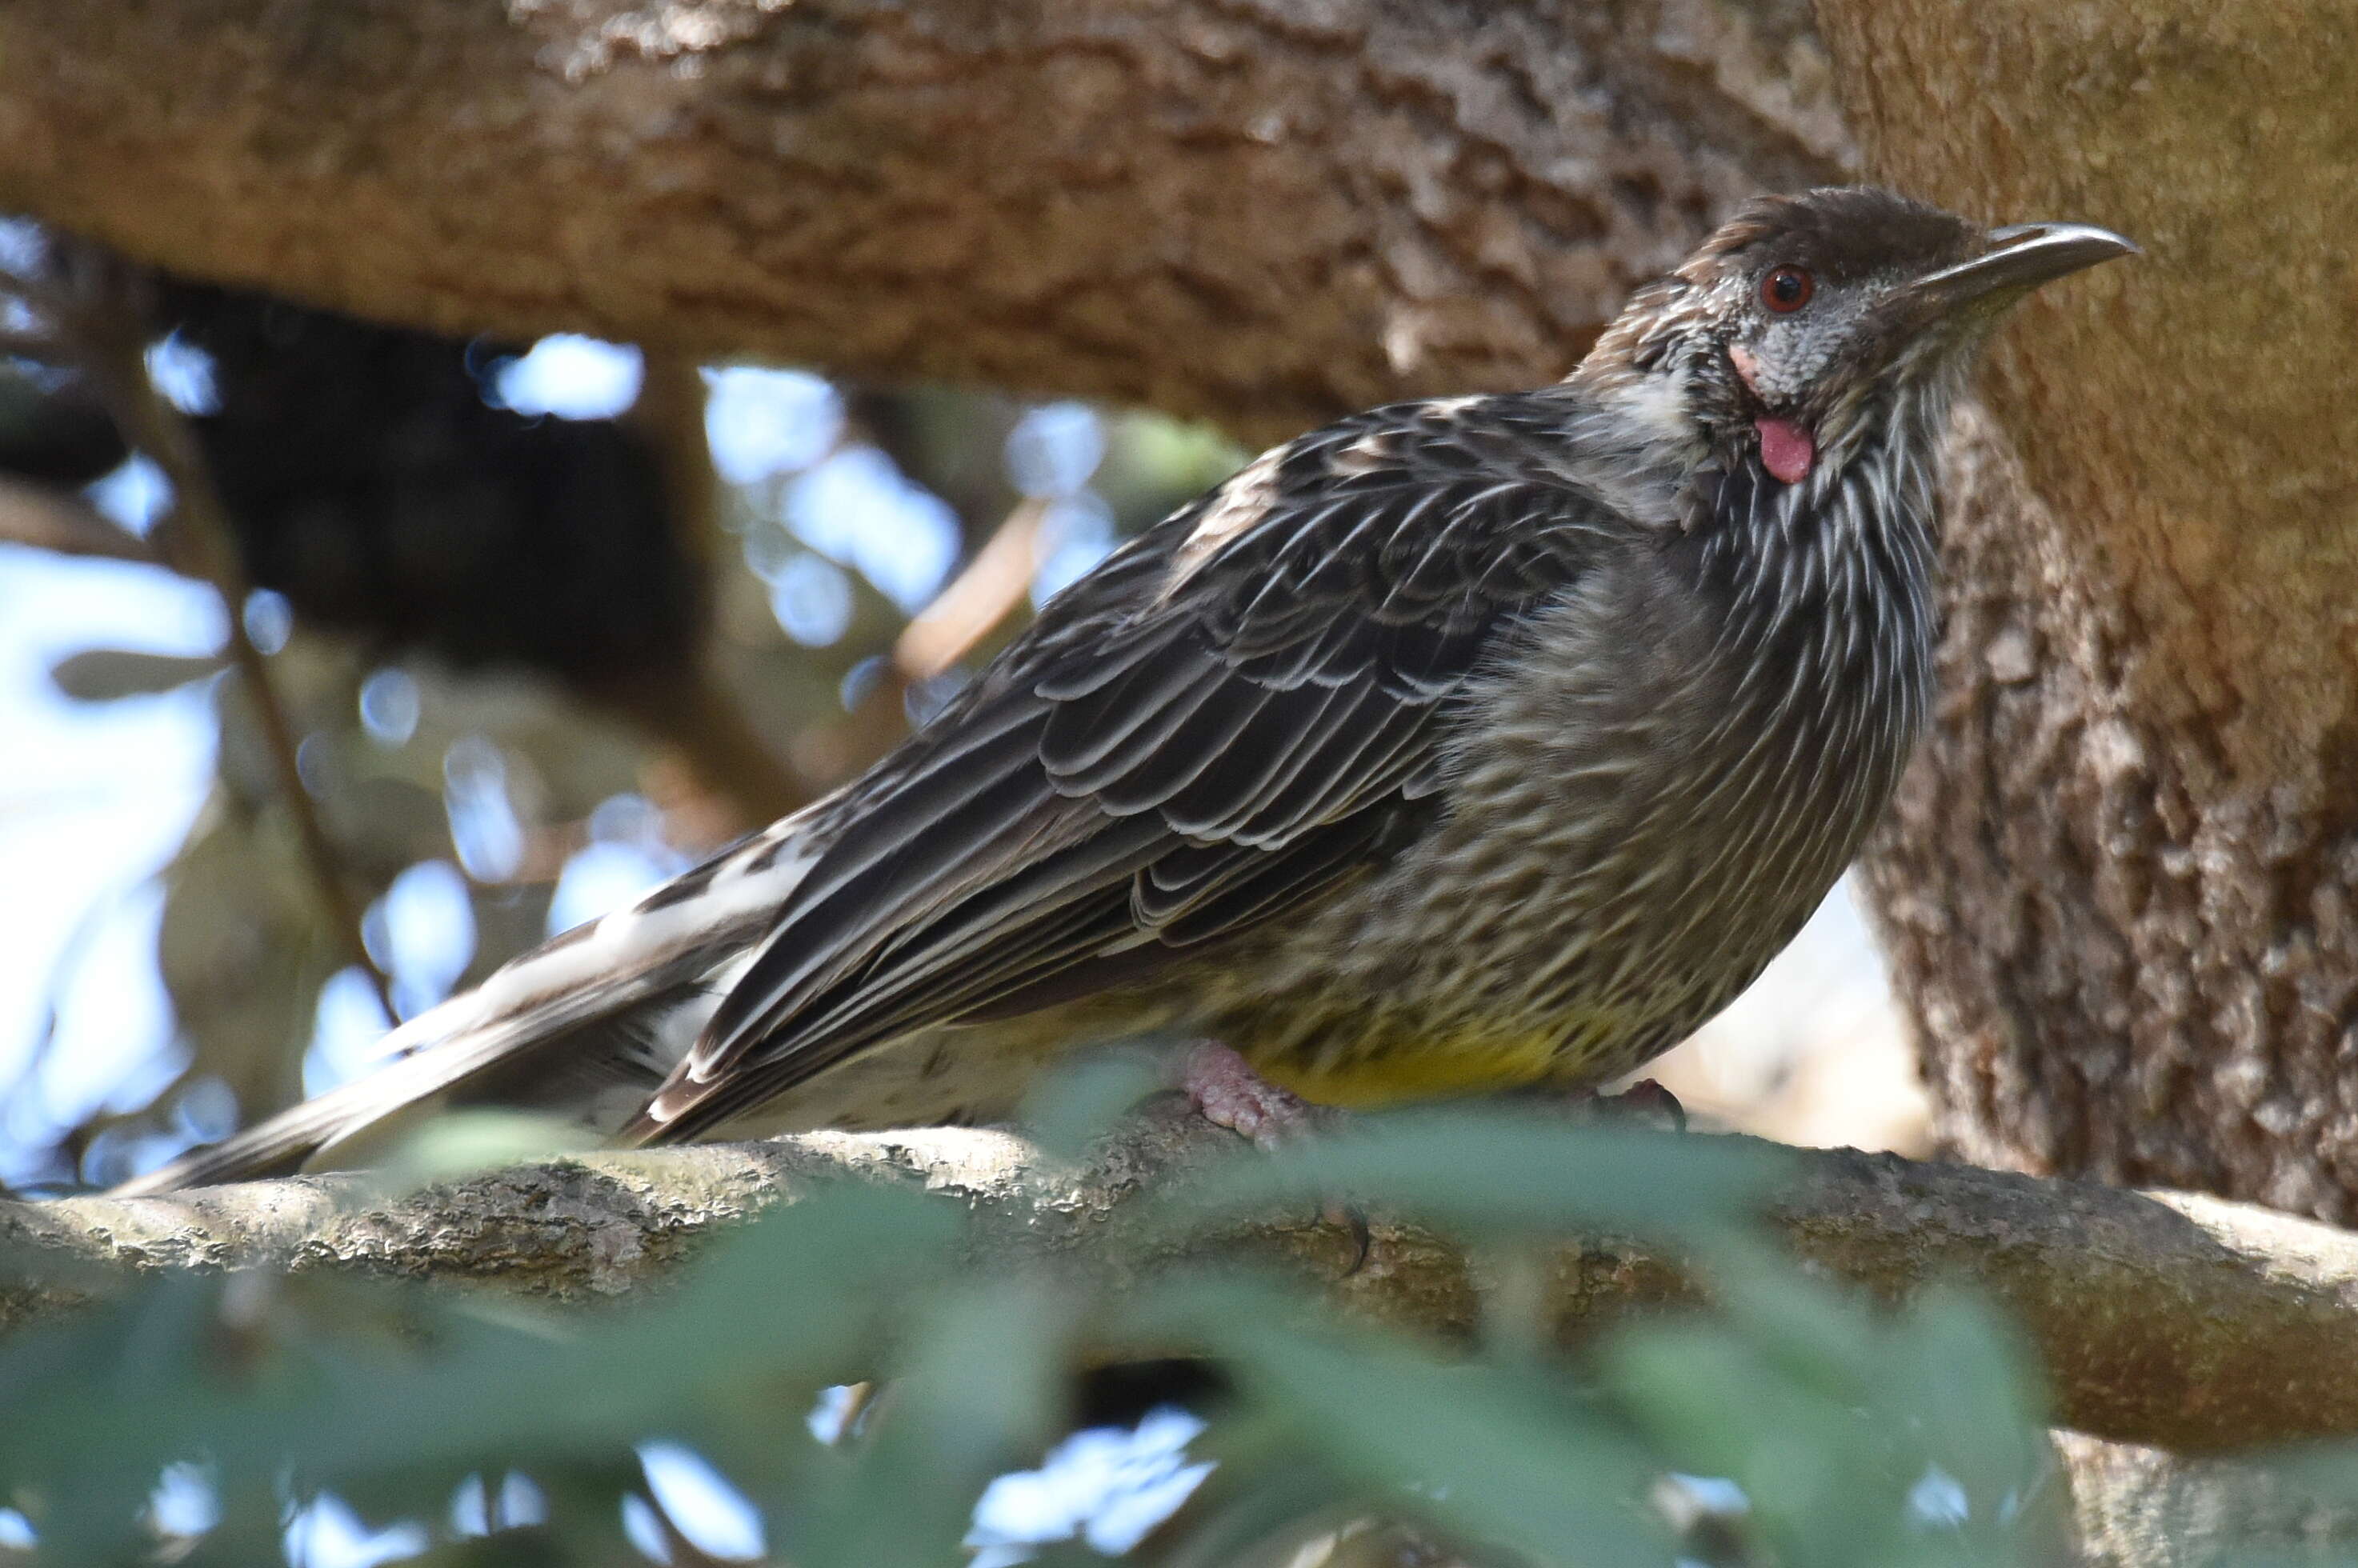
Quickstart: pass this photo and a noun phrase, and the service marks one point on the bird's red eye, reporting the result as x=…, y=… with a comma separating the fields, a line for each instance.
x=1786, y=288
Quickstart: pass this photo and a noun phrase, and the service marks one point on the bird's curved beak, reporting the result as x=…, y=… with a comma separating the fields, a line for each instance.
x=2020, y=258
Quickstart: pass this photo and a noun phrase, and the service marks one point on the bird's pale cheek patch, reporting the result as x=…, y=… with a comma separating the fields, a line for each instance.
x=1748, y=365
x=1787, y=450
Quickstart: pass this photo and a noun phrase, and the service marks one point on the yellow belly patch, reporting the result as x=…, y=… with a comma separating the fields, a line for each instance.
x=1427, y=1069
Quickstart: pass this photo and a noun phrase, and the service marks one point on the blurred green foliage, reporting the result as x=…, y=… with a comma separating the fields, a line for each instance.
x=1790, y=1424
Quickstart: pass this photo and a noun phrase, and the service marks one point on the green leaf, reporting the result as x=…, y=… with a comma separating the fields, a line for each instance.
x=463, y=1143
x=1489, y=1453
x=1485, y=1172
x=1715, y=1406
x=1959, y=1374
x=106, y=674
x=978, y=1395
x=1831, y=1417
x=1070, y=1108
x=96, y=1405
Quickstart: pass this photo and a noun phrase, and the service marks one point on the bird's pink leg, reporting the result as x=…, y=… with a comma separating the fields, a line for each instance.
x=1644, y=1102
x=1227, y=1091
x=1225, y=1087
x=1648, y=1098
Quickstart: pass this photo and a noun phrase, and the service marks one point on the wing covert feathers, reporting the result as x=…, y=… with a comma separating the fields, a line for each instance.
x=1234, y=714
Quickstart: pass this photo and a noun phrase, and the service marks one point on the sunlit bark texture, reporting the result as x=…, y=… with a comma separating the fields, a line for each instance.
x=2160, y=1318
x=2119, y=890
x=1263, y=212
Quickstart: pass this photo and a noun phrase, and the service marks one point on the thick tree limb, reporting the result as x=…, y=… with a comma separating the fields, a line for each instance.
x=1263, y=210
x=2179, y=1321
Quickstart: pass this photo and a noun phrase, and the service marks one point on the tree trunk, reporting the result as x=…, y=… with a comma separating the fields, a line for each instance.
x=2119, y=887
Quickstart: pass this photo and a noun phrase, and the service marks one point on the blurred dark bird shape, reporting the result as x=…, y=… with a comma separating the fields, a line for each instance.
x=1461, y=745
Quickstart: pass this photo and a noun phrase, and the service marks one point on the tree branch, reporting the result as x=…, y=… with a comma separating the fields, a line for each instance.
x=2179, y=1321
x=64, y=524
x=1264, y=212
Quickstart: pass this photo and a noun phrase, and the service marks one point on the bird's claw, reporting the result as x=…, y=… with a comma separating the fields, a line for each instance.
x=1643, y=1104
x=1646, y=1101
x=1224, y=1087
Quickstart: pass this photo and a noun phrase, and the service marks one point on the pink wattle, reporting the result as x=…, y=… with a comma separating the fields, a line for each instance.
x=1786, y=449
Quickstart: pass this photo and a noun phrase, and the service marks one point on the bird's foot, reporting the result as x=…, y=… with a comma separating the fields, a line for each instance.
x=1644, y=1104
x=1224, y=1087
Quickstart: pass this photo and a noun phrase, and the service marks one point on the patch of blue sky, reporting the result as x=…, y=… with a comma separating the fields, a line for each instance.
x=1109, y=1485
x=95, y=800
x=270, y=620
x=478, y=1509
x=811, y=599
x=390, y=705
x=348, y=1030
x=1075, y=534
x=644, y=1529
x=327, y=1533
x=135, y=494
x=183, y=374
x=571, y=377
x=770, y=549
x=601, y=877
x=857, y=508
x=630, y=818
x=183, y=1503
x=114, y=1019
x=422, y=934
x=708, y=1509
x=484, y=828
x=763, y=422
x=834, y=1408
x=24, y=252
x=1054, y=449
x=24, y=245
x=205, y=1111
x=1938, y=1500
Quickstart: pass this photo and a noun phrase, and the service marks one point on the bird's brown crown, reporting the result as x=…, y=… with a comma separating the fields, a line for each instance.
x=1843, y=234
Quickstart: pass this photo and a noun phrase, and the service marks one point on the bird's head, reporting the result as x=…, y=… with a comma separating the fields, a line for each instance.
x=1808, y=323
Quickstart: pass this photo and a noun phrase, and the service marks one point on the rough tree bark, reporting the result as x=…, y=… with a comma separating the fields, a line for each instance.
x=2164, y=1319
x=1262, y=212
x=2119, y=888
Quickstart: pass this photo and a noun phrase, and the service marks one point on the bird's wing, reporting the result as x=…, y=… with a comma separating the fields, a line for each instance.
x=1236, y=711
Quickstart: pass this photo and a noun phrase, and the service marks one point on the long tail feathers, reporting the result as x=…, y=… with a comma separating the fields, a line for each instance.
x=584, y=1027
x=284, y=1144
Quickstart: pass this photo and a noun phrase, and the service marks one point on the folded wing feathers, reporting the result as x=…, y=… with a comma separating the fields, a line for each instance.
x=883, y=868
x=1189, y=742
x=1181, y=747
